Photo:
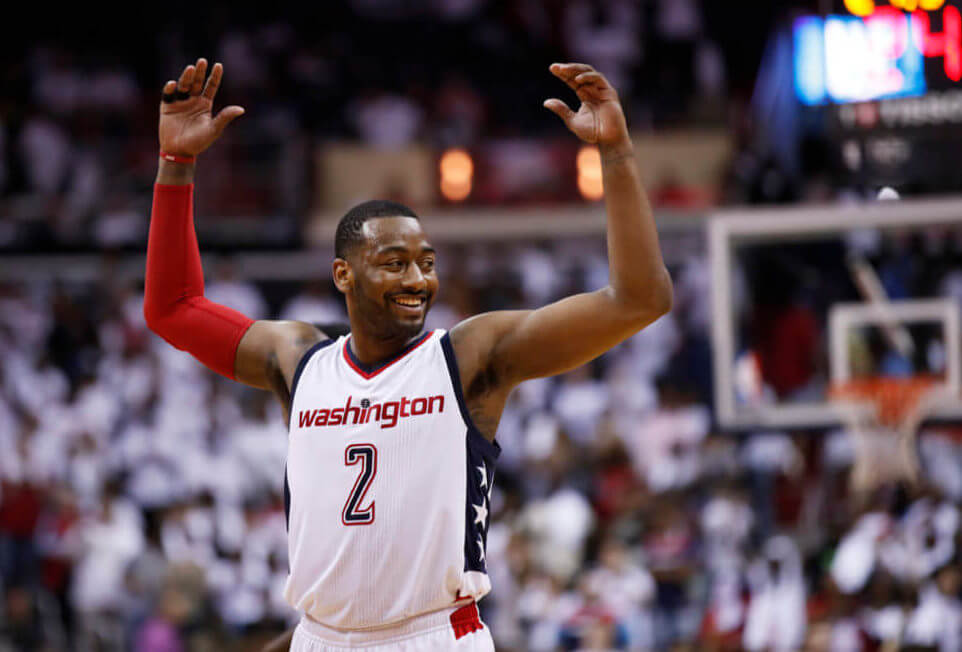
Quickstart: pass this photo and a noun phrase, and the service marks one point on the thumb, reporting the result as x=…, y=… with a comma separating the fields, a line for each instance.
x=559, y=108
x=227, y=115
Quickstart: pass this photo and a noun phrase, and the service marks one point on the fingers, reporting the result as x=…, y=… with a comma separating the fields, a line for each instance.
x=560, y=109
x=167, y=95
x=191, y=82
x=186, y=79
x=199, y=74
x=567, y=72
x=592, y=78
x=588, y=83
x=226, y=116
x=213, y=82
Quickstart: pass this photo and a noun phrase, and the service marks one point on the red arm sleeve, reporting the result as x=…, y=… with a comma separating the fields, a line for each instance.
x=174, y=303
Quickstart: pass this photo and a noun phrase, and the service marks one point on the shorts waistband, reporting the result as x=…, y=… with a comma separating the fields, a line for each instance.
x=414, y=626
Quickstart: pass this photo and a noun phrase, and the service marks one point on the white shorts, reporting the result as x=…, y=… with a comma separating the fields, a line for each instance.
x=457, y=629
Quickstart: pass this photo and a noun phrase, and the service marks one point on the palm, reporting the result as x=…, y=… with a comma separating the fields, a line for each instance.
x=187, y=126
x=598, y=122
x=600, y=118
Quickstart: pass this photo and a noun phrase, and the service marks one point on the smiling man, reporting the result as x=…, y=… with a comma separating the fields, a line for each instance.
x=392, y=429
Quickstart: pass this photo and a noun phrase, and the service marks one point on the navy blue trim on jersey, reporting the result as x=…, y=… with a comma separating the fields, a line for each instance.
x=300, y=369
x=371, y=370
x=479, y=479
x=290, y=407
x=480, y=459
x=491, y=449
x=287, y=501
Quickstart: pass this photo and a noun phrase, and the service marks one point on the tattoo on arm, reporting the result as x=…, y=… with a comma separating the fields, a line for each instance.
x=487, y=424
x=482, y=383
x=478, y=398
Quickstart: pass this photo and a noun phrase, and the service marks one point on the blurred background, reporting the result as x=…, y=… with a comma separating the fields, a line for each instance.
x=689, y=490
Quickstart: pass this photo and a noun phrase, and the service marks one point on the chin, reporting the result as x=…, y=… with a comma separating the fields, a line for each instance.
x=410, y=329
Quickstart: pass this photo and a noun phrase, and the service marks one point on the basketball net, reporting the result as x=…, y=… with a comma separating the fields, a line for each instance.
x=885, y=435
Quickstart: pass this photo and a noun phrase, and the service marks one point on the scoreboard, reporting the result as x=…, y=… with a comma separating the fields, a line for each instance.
x=887, y=76
x=888, y=53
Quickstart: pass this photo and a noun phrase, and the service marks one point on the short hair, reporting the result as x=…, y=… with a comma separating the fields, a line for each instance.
x=349, y=229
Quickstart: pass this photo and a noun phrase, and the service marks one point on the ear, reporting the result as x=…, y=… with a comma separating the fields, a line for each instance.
x=343, y=275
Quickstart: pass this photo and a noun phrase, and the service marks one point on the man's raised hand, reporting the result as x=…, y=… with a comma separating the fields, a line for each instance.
x=187, y=126
x=599, y=119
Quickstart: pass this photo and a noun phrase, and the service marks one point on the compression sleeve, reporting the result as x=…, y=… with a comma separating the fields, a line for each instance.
x=174, y=303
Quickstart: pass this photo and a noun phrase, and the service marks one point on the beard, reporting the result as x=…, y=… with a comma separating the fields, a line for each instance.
x=381, y=321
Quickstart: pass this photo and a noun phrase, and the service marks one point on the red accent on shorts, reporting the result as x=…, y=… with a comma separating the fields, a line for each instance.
x=466, y=620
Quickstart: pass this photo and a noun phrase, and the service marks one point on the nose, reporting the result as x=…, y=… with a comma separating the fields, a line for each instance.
x=413, y=280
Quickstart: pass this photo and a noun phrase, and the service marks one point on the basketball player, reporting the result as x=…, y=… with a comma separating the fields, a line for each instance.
x=391, y=428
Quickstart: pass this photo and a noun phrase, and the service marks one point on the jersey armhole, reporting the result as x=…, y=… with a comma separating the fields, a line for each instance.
x=300, y=369
x=491, y=449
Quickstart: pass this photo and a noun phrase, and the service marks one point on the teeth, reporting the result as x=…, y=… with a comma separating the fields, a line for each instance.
x=408, y=302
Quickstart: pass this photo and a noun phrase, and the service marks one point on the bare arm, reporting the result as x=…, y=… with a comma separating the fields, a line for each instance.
x=511, y=346
x=263, y=354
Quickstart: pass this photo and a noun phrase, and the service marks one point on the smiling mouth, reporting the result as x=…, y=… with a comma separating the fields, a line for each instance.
x=409, y=301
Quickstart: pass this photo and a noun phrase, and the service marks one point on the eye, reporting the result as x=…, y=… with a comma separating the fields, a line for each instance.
x=427, y=263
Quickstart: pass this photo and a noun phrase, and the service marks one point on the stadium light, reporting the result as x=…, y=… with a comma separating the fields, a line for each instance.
x=589, y=173
x=867, y=7
x=860, y=7
x=457, y=173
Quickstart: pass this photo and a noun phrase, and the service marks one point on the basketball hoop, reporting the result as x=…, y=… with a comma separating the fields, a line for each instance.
x=884, y=414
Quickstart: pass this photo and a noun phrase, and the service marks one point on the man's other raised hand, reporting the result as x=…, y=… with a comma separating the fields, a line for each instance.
x=599, y=119
x=187, y=124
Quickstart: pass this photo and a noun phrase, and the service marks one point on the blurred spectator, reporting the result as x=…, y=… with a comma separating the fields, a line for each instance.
x=228, y=289
x=776, y=609
x=318, y=303
x=387, y=121
x=141, y=497
x=665, y=445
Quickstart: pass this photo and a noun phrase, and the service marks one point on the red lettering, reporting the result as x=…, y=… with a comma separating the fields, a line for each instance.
x=947, y=45
x=390, y=420
x=387, y=413
x=306, y=418
x=348, y=409
x=321, y=418
x=422, y=402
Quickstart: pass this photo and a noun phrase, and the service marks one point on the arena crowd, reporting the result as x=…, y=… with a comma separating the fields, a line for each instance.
x=141, y=503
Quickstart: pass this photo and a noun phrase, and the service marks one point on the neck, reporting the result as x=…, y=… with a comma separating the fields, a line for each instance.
x=370, y=349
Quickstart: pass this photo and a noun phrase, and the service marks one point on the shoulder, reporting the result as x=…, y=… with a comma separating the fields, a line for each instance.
x=289, y=339
x=295, y=340
x=271, y=350
x=475, y=343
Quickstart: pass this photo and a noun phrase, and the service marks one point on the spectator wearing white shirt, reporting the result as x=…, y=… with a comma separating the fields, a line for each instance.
x=776, y=619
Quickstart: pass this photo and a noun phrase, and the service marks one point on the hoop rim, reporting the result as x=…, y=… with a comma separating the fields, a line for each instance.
x=893, y=398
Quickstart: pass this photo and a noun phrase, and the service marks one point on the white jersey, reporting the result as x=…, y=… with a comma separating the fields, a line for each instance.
x=388, y=486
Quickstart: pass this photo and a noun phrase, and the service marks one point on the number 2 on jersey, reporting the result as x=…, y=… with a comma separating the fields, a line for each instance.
x=366, y=456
